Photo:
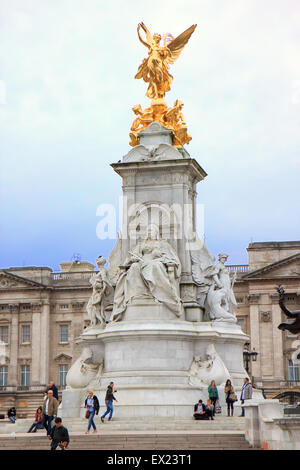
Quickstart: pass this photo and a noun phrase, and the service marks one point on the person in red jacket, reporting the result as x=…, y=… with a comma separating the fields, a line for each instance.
x=38, y=419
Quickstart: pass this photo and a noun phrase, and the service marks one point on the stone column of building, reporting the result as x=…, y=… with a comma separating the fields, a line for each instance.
x=278, y=356
x=13, y=378
x=36, y=345
x=255, y=333
x=45, y=340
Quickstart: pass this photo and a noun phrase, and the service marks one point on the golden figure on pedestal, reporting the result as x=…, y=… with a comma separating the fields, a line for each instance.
x=154, y=70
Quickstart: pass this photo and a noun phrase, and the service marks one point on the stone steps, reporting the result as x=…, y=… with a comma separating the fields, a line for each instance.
x=221, y=423
x=138, y=441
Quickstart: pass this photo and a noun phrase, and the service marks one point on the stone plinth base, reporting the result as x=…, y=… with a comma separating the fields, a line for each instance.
x=266, y=426
x=150, y=361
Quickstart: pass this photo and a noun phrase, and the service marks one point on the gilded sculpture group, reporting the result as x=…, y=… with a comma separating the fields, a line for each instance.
x=155, y=71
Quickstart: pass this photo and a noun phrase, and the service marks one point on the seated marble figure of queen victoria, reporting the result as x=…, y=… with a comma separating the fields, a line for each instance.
x=151, y=270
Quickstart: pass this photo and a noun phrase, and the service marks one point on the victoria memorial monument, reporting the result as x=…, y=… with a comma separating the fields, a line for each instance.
x=162, y=314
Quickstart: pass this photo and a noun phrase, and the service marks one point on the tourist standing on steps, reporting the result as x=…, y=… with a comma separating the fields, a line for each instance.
x=38, y=420
x=59, y=435
x=109, y=399
x=53, y=387
x=246, y=393
x=92, y=405
x=230, y=397
x=49, y=409
x=12, y=415
x=213, y=394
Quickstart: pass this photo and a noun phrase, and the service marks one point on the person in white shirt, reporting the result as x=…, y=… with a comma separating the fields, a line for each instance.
x=246, y=393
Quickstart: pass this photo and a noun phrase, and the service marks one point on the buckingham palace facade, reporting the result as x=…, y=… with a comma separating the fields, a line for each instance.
x=43, y=312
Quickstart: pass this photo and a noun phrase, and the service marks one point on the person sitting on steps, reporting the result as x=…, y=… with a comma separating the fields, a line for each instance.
x=200, y=411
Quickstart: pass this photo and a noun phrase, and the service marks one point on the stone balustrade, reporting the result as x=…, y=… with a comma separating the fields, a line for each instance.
x=268, y=428
x=238, y=268
x=72, y=276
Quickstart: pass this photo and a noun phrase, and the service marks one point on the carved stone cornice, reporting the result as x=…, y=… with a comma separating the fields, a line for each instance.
x=14, y=308
x=36, y=307
x=24, y=361
x=253, y=299
x=78, y=305
x=63, y=356
x=274, y=296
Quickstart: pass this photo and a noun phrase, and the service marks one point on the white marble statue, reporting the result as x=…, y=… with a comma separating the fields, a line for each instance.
x=151, y=270
x=225, y=280
x=213, y=368
x=220, y=299
x=215, y=284
x=99, y=299
x=216, y=304
x=83, y=372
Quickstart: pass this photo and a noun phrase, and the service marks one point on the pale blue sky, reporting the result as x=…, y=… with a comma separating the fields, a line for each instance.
x=66, y=92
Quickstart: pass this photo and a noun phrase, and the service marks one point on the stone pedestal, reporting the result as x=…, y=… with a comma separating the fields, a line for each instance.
x=73, y=403
x=149, y=361
x=149, y=353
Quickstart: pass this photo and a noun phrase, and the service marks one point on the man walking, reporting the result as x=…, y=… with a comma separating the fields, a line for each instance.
x=59, y=435
x=109, y=398
x=50, y=406
x=246, y=393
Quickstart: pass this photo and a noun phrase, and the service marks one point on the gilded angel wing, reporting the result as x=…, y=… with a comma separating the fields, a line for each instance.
x=178, y=43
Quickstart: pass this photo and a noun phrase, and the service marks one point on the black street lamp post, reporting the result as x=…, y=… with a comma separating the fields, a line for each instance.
x=248, y=355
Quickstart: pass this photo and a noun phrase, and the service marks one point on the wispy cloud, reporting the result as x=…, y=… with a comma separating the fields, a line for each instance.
x=66, y=92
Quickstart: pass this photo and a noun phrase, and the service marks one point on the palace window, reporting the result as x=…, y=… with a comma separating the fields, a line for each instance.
x=25, y=375
x=26, y=307
x=294, y=372
x=4, y=307
x=64, y=333
x=63, y=370
x=241, y=322
x=25, y=333
x=3, y=376
x=64, y=306
x=4, y=334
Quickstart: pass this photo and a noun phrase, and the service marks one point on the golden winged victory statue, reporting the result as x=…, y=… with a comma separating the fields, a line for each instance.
x=155, y=71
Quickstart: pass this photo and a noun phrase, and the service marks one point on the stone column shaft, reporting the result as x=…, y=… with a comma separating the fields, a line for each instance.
x=14, y=347
x=278, y=357
x=36, y=345
x=45, y=343
x=255, y=339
